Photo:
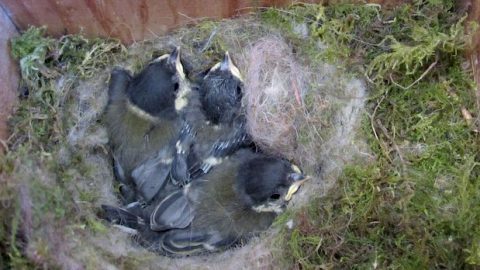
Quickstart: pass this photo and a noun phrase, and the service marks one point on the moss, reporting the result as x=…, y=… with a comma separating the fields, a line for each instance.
x=416, y=204
x=36, y=186
x=42, y=58
x=85, y=57
x=207, y=40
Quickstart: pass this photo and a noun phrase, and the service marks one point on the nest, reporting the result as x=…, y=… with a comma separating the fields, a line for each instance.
x=273, y=95
x=299, y=109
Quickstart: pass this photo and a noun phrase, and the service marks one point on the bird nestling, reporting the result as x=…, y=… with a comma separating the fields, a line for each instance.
x=224, y=133
x=236, y=200
x=144, y=116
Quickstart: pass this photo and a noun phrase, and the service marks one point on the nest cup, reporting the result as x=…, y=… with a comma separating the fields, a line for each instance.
x=299, y=109
x=302, y=110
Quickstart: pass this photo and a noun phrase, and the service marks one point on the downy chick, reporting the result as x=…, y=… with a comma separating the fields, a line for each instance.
x=221, y=100
x=236, y=200
x=144, y=117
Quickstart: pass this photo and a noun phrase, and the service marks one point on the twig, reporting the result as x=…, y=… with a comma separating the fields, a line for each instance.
x=153, y=33
x=4, y=145
x=191, y=19
x=279, y=10
x=373, y=115
x=417, y=80
x=395, y=146
x=476, y=77
x=368, y=78
x=372, y=124
x=295, y=90
x=209, y=41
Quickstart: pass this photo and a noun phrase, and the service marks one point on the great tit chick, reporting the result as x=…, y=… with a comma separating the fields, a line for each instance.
x=221, y=92
x=236, y=200
x=221, y=97
x=143, y=119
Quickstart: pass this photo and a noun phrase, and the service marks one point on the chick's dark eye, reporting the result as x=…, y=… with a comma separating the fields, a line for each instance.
x=239, y=91
x=175, y=87
x=275, y=196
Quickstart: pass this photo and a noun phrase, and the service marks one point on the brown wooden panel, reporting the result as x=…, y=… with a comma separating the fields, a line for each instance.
x=128, y=20
x=473, y=9
x=8, y=75
x=32, y=12
x=131, y=20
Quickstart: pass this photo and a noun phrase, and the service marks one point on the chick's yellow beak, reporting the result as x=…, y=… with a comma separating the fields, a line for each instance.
x=227, y=65
x=294, y=188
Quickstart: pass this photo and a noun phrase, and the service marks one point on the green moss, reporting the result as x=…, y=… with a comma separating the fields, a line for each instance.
x=38, y=127
x=84, y=57
x=207, y=39
x=416, y=205
x=42, y=58
x=31, y=50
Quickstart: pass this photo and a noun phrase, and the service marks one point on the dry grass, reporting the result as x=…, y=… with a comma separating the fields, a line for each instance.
x=273, y=98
